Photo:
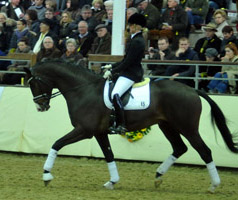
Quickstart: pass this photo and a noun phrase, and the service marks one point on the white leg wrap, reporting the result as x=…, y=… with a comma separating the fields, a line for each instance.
x=113, y=172
x=50, y=160
x=215, y=179
x=164, y=167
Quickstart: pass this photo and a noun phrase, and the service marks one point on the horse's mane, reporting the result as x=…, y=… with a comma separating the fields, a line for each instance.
x=56, y=66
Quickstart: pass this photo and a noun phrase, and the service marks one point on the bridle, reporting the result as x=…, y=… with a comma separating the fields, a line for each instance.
x=43, y=98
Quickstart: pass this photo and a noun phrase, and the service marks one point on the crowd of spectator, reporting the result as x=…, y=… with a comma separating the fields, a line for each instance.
x=72, y=29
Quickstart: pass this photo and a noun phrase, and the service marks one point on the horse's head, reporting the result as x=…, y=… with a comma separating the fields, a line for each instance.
x=41, y=90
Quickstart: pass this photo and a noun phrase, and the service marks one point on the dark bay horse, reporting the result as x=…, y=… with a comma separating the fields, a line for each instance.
x=175, y=107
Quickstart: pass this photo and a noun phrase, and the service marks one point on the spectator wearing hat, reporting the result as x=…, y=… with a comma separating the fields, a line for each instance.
x=197, y=12
x=220, y=18
x=228, y=37
x=223, y=86
x=102, y=43
x=211, y=55
x=129, y=70
x=173, y=23
x=39, y=8
x=150, y=12
x=209, y=41
x=83, y=37
x=45, y=30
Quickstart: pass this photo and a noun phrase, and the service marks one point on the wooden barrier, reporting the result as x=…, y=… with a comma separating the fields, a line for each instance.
x=21, y=56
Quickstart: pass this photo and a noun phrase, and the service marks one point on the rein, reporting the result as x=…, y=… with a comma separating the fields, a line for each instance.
x=53, y=95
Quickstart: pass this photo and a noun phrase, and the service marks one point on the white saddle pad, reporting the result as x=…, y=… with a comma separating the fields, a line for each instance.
x=139, y=98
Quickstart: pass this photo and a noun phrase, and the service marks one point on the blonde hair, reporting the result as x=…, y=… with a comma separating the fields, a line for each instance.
x=69, y=17
x=221, y=12
x=98, y=1
x=4, y=15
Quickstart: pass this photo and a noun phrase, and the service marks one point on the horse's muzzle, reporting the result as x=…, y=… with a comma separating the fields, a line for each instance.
x=42, y=107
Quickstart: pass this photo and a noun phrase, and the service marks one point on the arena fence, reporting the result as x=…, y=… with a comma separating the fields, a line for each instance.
x=95, y=62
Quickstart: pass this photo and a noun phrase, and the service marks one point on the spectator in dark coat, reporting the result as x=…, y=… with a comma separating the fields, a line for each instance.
x=86, y=15
x=65, y=28
x=150, y=12
x=102, y=43
x=209, y=41
x=184, y=52
x=83, y=37
x=13, y=10
x=229, y=37
x=72, y=6
x=173, y=22
x=45, y=30
x=72, y=54
x=98, y=9
x=48, y=50
x=49, y=14
x=22, y=47
x=33, y=23
x=6, y=30
x=20, y=32
x=162, y=53
x=209, y=71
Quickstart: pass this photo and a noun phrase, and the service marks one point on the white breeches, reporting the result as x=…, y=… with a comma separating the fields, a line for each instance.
x=121, y=86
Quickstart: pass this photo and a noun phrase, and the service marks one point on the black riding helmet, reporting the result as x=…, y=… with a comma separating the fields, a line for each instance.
x=138, y=19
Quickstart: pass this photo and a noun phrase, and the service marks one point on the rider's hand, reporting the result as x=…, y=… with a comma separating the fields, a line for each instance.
x=109, y=66
x=107, y=74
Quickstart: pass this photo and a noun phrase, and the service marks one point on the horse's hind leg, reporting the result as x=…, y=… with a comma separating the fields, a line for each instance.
x=206, y=155
x=104, y=143
x=75, y=135
x=179, y=148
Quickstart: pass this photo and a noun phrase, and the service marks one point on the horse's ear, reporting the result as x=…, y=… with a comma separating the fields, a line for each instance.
x=28, y=71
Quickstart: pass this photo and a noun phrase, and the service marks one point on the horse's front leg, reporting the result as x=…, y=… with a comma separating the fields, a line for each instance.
x=104, y=143
x=75, y=135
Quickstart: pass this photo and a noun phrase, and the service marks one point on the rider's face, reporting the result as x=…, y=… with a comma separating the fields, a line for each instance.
x=132, y=28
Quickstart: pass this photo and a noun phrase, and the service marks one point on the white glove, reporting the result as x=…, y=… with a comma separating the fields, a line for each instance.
x=109, y=66
x=107, y=74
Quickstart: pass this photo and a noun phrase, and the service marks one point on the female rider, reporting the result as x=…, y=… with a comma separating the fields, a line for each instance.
x=129, y=70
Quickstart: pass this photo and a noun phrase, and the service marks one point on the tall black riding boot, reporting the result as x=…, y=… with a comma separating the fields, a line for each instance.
x=120, y=117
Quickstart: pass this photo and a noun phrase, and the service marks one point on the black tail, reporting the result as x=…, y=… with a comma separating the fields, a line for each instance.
x=219, y=118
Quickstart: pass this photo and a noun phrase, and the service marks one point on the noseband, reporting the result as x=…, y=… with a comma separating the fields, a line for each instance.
x=42, y=96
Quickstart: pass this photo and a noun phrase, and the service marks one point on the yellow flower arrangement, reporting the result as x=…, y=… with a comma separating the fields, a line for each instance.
x=133, y=136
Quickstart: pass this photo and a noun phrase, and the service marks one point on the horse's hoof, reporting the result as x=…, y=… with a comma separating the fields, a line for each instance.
x=46, y=183
x=212, y=188
x=158, y=182
x=109, y=185
x=47, y=177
